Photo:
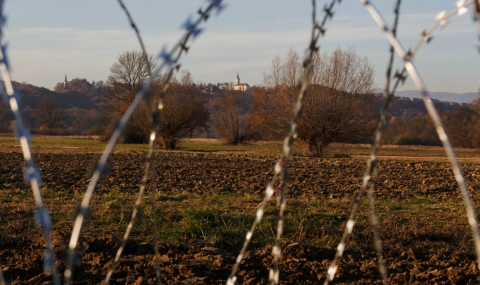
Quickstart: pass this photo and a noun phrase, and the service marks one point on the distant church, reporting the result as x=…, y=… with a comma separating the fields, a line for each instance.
x=241, y=86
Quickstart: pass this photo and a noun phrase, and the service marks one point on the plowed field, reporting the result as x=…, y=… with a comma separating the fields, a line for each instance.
x=414, y=254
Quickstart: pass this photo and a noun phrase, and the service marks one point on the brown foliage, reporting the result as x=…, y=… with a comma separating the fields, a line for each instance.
x=235, y=116
x=3, y=117
x=182, y=110
x=476, y=123
x=409, y=129
x=80, y=85
x=332, y=116
x=49, y=114
x=461, y=125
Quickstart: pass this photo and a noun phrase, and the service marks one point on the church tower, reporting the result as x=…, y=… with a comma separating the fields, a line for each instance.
x=65, y=82
x=237, y=81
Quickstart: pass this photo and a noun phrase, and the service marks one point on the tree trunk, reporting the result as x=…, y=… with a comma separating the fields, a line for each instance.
x=168, y=143
x=316, y=146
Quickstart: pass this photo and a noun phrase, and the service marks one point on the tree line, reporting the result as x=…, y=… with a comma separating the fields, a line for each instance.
x=462, y=124
x=74, y=109
x=339, y=106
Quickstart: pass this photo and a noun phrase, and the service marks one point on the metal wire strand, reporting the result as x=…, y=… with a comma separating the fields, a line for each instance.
x=153, y=195
x=149, y=161
x=427, y=36
x=169, y=60
x=31, y=171
x=135, y=208
x=472, y=221
x=370, y=172
x=476, y=17
x=280, y=166
x=377, y=241
x=137, y=32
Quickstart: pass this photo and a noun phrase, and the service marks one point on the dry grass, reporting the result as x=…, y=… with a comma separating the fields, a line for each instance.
x=268, y=148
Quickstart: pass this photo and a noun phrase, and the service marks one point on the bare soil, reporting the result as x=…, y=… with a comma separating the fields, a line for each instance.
x=204, y=173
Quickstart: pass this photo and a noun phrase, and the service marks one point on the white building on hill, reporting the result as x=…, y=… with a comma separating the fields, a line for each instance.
x=241, y=86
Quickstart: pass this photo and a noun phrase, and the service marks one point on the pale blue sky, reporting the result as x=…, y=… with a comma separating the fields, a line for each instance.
x=83, y=38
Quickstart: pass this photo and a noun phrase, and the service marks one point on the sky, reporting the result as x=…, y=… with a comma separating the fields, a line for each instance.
x=48, y=38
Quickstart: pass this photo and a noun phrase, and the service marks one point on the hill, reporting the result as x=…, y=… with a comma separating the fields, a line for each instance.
x=442, y=96
x=78, y=93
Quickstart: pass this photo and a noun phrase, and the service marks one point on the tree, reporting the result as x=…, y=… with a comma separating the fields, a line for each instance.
x=332, y=116
x=338, y=104
x=411, y=128
x=475, y=105
x=49, y=113
x=3, y=117
x=182, y=111
x=127, y=77
x=235, y=117
x=459, y=125
x=79, y=85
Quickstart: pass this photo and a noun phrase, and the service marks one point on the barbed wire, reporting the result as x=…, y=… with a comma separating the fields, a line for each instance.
x=280, y=168
x=476, y=17
x=153, y=194
x=149, y=161
x=405, y=56
x=169, y=60
x=137, y=32
x=388, y=96
x=31, y=171
x=135, y=208
x=149, y=164
x=427, y=35
x=371, y=171
x=155, y=119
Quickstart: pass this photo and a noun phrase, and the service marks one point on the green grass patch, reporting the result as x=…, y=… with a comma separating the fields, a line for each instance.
x=223, y=220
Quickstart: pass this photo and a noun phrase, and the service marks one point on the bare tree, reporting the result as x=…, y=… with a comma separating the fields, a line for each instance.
x=127, y=77
x=338, y=105
x=49, y=113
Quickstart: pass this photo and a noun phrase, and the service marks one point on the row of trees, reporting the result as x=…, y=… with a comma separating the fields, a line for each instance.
x=463, y=128
x=338, y=106
x=71, y=109
x=183, y=105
